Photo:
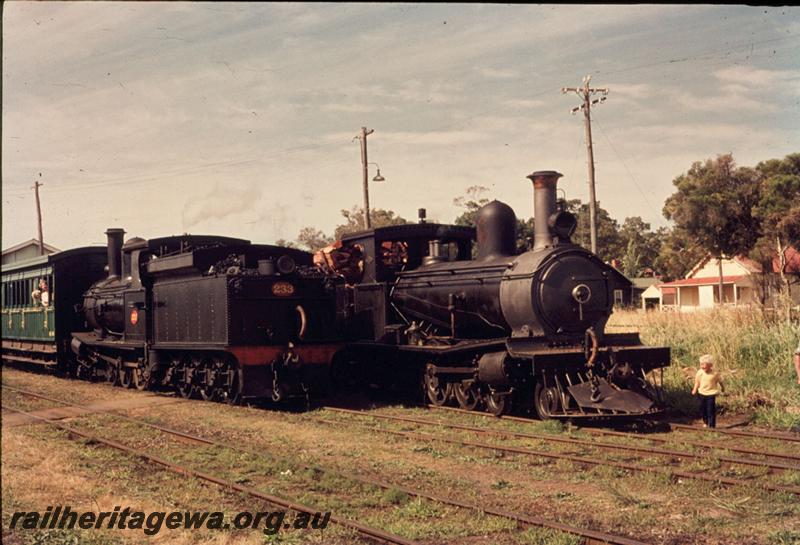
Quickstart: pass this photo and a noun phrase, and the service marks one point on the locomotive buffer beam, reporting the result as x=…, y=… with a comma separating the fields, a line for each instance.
x=610, y=398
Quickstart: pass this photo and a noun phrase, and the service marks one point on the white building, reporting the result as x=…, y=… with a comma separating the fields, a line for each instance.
x=700, y=288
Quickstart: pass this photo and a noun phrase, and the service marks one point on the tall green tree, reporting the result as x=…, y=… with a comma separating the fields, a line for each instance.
x=714, y=205
x=778, y=211
x=641, y=244
x=678, y=253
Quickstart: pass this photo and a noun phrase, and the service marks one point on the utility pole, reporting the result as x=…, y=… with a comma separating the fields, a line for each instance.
x=362, y=136
x=586, y=93
x=36, y=186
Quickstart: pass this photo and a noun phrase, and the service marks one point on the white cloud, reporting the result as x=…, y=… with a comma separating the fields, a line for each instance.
x=759, y=78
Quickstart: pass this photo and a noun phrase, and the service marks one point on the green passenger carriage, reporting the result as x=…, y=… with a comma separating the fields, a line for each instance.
x=39, y=297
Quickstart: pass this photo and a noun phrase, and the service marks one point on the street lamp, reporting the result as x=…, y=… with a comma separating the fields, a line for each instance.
x=378, y=177
x=362, y=137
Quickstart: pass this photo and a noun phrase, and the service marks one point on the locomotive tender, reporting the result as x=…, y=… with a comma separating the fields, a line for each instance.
x=214, y=317
x=484, y=331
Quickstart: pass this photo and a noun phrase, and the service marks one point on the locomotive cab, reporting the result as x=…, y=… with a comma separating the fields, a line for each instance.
x=372, y=261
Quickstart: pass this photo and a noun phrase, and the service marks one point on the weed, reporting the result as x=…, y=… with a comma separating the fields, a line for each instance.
x=430, y=450
x=791, y=477
x=545, y=536
x=501, y=484
x=395, y=496
x=784, y=537
x=421, y=509
x=71, y=537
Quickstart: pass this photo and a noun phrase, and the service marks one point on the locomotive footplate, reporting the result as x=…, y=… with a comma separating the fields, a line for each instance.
x=610, y=398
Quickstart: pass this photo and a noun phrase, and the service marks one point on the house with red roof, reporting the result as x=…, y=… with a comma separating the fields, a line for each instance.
x=743, y=283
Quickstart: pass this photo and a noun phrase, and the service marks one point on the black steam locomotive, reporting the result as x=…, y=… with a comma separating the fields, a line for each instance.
x=497, y=328
x=406, y=305
x=214, y=317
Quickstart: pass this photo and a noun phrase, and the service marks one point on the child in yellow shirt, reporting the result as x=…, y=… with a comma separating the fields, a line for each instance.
x=707, y=384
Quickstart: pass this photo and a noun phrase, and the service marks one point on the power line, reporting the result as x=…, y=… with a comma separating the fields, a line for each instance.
x=708, y=54
x=624, y=164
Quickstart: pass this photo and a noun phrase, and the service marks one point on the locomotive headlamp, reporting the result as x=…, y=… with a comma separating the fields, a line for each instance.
x=582, y=293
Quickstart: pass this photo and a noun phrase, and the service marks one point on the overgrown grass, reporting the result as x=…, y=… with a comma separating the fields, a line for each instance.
x=753, y=352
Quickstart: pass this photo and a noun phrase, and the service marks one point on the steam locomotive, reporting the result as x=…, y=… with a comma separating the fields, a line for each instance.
x=405, y=305
x=484, y=332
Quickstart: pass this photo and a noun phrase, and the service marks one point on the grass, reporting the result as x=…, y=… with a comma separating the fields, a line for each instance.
x=753, y=352
x=544, y=536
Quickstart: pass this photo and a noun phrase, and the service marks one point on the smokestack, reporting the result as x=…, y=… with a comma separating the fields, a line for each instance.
x=544, y=205
x=115, y=237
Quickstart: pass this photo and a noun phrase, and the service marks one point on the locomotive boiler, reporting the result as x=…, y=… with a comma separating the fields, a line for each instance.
x=501, y=326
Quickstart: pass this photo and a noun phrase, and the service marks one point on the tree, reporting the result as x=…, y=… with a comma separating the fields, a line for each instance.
x=778, y=211
x=609, y=243
x=354, y=220
x=285, y=243
x=313, y=239
x=642, y=246
x=677, y=254
x=713, y=204
x=525, y=229
x=472, y=202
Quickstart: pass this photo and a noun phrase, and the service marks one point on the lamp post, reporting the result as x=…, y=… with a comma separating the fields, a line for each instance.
x=362, y=137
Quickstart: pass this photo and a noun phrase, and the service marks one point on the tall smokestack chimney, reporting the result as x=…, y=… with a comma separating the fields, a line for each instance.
x=115, y=237
x=544, y=205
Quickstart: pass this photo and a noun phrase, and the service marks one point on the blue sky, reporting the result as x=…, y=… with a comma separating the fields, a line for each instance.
x=238, y=118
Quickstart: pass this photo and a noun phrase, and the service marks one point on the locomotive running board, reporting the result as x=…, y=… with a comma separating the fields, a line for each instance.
x=611, y=399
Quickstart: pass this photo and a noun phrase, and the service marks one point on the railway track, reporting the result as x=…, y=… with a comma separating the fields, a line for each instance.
x=582, y=442
x=671, y=473
x=362, y=529
x=791, y=437
x=637, y=436
x=591, y=537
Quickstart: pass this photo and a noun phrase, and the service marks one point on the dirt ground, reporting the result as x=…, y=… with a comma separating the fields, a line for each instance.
x=310, y=457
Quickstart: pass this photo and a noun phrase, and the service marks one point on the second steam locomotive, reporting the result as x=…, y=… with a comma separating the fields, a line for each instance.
x=500, y=328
